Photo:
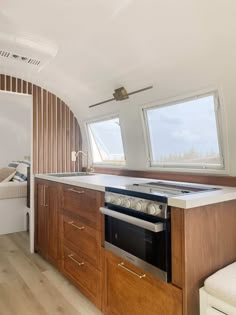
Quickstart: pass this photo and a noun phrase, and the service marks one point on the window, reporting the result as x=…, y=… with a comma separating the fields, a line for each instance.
x=106, y=142
x=185, y=134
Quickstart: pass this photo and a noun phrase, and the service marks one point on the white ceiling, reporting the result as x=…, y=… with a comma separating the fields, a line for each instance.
x=105, y=44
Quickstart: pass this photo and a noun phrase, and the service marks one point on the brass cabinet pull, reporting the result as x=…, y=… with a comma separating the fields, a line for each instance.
x=122, y=265
x=76, y=226
x=71, y=256
x=76, y=191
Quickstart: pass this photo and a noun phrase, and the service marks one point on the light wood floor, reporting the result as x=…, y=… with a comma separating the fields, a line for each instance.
x=31, y=286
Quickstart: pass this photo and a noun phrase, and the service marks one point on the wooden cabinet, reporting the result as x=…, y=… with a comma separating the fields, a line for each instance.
x=129, y=290
x=46, y=220
x=70, y=234
x=81, y=240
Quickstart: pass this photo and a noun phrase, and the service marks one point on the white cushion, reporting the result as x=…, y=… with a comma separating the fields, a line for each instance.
x=13, y=190
x=222, y=284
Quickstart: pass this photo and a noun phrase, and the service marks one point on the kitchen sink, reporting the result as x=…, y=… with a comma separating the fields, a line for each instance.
x=74, y=174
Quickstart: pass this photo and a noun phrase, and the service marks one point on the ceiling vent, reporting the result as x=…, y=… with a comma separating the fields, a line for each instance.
x=29, y=55
x=4, y=53
x=24, y=59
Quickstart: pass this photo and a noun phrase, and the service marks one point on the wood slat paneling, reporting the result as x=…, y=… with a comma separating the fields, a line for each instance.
x=72, y=138
x=3, y=83
x=77, y=144
x=59, y=133
x=8, y=83
x=45, y=134
x=49, y=136
x=68, y=147
x=29, y=88
x=13, y=86
x=54, y=133
x=35, y=131
x=63, y=117
x=54, y=128
x=19, y=86
x=40, y=129
x=25, y=84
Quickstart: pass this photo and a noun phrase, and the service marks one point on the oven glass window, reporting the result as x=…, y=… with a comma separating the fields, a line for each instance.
x=144, y=244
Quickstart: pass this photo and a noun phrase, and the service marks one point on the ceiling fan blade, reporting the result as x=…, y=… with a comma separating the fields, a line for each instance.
x=141, y=90
x=100, y=103
x=131, y=93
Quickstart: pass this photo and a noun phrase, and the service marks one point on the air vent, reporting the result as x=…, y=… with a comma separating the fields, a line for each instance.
x=31, y=61
x=24, y=53
x=34, y=62
x=4, y=53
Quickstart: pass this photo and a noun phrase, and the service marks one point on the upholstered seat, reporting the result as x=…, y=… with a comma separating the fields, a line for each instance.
x=219, y=292
x=222, y=284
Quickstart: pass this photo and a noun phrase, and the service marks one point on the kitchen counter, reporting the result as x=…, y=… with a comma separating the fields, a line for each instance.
x=100, y=181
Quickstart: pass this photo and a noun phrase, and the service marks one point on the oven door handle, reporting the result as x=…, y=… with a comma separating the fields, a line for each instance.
x=154, y=227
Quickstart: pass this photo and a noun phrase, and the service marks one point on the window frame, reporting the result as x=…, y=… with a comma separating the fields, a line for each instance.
x=183, y=166
x=89, y=134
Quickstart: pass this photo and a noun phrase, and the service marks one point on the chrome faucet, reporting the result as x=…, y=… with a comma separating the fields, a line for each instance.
x=85, y=154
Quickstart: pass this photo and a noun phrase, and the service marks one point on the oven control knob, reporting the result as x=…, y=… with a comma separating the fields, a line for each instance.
x=109, y=198
x=126, y=203
x=153, y=209
x=118, y=201
x=139, y=205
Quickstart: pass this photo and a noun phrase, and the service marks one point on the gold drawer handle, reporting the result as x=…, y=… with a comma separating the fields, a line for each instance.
x=71, y=256
x=76, y=226
x=76, y=191
x=122, y=265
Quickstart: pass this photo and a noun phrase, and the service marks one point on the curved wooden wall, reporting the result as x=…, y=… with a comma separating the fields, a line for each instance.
x=56, y=130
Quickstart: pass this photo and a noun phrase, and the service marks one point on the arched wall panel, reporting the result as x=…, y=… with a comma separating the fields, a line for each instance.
x=56, y=131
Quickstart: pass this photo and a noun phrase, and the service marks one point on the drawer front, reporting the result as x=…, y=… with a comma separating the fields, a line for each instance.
x=130, y=290
x=82, y=238
x=85, y=276
x=84, y=202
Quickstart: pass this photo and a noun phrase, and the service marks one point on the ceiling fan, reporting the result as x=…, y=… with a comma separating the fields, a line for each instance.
x=121, y=94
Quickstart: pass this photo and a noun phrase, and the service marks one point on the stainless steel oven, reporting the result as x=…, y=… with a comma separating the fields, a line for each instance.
x=137, y=228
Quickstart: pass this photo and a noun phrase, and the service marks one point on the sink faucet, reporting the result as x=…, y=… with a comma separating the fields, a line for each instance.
x=85, y=154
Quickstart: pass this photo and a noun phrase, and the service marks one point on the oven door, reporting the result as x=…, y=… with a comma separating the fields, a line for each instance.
x=145, y=244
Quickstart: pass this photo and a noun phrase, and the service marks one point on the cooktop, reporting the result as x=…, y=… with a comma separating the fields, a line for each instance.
x=162, y=188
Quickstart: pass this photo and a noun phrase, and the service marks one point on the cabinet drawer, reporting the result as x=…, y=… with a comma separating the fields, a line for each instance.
x=82, y=238
x=84, y=275
x=84, y=202
x=130, y=290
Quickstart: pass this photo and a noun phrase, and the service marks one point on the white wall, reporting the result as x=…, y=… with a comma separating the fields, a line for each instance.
x=15, y=127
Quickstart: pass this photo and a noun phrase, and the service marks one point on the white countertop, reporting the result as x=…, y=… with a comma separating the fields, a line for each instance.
x=100, y=181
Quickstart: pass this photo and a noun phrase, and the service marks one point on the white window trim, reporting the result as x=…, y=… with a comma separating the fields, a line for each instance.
x=177, y=167
x=107, y=163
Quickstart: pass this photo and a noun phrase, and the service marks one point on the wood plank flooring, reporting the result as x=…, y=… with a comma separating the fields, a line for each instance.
x=31, y=286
